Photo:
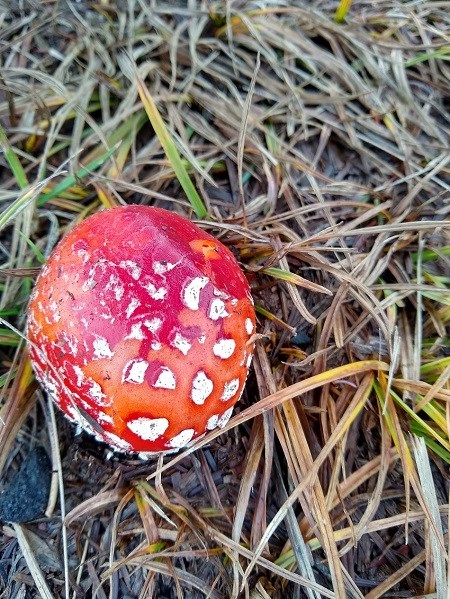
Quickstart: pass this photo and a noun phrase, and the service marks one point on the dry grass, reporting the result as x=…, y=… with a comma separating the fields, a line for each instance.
x=317, y=143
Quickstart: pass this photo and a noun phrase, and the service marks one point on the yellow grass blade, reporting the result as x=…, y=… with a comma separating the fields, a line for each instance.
x=342, y=10
x=20, y=401
x=290, y=277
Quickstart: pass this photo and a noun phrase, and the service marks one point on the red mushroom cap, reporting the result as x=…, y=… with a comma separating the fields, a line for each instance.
x=139, y=328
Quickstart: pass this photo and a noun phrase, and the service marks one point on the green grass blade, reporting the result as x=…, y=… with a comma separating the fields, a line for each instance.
x=418, y=430
x=9, y=312
x=432, y=370
x=171, y=151
x=425, y=426
x=14, y=163
x=8, y=376
x=442, y=53
x=8, y=338
x=165, y=140
x=34, y=248
x=20, y=204
x=431, y=254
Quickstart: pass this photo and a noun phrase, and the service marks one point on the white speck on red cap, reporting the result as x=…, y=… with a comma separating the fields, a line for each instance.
x=136, y=332
x=154, y=324
x=249, y=326
x=221, y=294
x=96, y=393
x=70, y=341
x=224, y=348
x=118, y=292
x=223, y=420
x=181, y=343
x=133, y=269
x=191, y=292
x=217, y=310
x=161, y=267
x=134, y=371
x=115, y=285
x=202, y=387
x=104, y=418
x=182, y=438
x=80, y=375
x=101, y=348
x=109, y=317
x=88, y=285
x=156, y=293
x=132, y=306
x=53, y=306
x=166, y=379
x=83, y=254
x=90, y=282
x=212, y=422
x=230, y=389
x=148, y=429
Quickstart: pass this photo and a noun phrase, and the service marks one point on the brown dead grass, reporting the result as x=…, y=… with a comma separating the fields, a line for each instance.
x=320, y=150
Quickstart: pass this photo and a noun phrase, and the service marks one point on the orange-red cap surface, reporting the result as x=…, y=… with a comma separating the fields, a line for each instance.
x=139, y=328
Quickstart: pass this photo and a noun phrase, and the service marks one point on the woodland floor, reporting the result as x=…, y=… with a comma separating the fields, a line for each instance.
x=318, y=142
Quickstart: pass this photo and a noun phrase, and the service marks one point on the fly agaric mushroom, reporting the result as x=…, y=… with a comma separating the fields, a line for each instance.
x=140, y=329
